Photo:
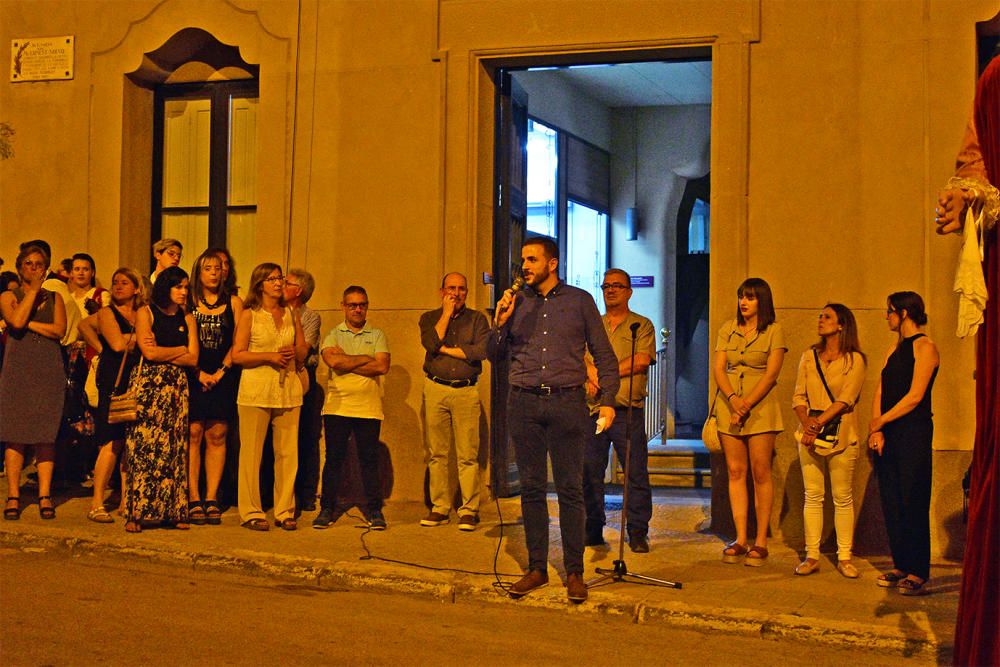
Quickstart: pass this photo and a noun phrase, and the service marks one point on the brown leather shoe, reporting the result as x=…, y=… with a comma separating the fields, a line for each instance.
x=576, y=588
x=529, y=582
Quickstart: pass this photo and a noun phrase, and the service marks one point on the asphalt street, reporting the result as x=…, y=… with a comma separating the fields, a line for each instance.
x=61, y=609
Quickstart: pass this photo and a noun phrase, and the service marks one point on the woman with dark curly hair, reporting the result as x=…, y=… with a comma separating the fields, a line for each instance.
x=901, y=431
x=156, y=443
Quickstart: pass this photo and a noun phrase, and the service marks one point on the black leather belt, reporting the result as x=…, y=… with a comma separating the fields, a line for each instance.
x=545, y=390
x=454, y=384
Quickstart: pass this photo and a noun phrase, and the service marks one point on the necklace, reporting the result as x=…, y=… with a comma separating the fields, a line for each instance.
x=210, y=306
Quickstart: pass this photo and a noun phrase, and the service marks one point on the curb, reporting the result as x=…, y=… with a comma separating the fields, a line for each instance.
x=449, y=587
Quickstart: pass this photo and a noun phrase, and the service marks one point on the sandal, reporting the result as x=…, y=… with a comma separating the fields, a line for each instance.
x=734, y=552
x=890, y=580
x=256, y=524
x=46, y=512
x=912, y=587
x=133, y=527
x=287, y=524
x=213, y=513
x=12, y=513
x=756, y=556
x=100, y=515
x=196, y=513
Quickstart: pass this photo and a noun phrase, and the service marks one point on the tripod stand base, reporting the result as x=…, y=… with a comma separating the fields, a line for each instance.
x=620, y=573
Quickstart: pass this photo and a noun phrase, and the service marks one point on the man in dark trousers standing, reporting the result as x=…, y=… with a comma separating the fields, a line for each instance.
x=546, y=329
x=618, y=322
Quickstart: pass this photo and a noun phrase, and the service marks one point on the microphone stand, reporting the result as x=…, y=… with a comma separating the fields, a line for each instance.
x=619, y=572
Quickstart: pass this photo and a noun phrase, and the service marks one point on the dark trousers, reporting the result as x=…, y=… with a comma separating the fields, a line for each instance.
x=338, y=433
x=640, y=497
x=310, y=424
x=904, y=484
x=556, y=426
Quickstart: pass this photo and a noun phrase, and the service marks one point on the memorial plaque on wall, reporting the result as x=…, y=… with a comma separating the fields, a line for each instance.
x=41, y=58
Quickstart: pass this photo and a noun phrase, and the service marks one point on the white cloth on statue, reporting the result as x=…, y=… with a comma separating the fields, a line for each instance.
x=969, y=282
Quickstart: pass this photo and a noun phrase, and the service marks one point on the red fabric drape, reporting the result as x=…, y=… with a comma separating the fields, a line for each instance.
x=977, y=634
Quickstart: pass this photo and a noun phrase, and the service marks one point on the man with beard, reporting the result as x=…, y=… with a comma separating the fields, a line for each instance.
x=546, y=329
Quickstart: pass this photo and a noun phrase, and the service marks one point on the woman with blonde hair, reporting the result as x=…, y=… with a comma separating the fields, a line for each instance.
x=119, y=355
x=827, y=388
x=748, y=356
x=33, y=382
x=271, y=347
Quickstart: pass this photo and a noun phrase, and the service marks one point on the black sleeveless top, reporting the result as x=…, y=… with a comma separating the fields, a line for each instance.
x=897, y=376
x=169, y=330
x=215, y=337
x=110, y=362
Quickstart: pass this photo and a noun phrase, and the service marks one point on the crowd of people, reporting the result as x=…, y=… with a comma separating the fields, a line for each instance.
x=184, y=368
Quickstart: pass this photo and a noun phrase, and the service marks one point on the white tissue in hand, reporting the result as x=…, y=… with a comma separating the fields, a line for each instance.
x=602, y=423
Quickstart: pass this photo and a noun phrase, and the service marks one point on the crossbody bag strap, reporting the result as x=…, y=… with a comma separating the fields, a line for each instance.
x=819, y=369
x=711, y=410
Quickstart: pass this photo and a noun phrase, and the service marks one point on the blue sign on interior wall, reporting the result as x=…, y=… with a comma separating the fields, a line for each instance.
x=642, y=281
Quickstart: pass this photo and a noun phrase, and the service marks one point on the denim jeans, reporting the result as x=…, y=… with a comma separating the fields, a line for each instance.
x=558, y=426
x=640, y=497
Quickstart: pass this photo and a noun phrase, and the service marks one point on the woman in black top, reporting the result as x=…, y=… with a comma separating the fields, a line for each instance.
x=901, y=431
x=116, y=333
x=155, y=487
x=212, y=384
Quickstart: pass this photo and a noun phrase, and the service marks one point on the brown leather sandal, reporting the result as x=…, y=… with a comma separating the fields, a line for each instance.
x=256, y=524
x=734, y=552
x=756, y=556
x=287, y=524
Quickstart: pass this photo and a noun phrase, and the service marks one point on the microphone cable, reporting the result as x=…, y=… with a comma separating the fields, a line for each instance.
x=371, y=556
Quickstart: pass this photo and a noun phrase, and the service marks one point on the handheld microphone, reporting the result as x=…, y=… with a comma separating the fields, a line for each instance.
x=514, y=289
x=634, y=327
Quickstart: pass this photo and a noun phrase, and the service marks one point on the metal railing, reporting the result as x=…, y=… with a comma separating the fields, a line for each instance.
x=656, y=398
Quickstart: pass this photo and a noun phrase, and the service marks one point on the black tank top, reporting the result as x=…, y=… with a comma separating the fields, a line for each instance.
x=897, y=376
x=170, y=330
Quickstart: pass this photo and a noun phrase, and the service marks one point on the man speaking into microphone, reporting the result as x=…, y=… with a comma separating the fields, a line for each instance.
x=545, y=329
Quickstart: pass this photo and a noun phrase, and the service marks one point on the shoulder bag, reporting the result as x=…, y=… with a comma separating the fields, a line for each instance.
x=123, y=406
x=710, y=431
x=829, y=436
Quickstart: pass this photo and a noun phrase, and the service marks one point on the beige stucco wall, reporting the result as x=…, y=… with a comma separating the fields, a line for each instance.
x=833, y=124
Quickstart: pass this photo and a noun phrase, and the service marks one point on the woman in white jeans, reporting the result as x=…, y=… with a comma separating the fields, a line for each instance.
x=838, y=359
x=269, y=345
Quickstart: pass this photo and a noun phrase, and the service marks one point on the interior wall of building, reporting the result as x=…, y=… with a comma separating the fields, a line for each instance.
x=556, y=102
x=673, y=145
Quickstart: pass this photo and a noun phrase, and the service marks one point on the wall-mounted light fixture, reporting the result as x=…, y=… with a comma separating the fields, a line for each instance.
x=632, y=214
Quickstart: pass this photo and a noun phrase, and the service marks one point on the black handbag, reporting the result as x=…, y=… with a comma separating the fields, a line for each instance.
x=830, y=434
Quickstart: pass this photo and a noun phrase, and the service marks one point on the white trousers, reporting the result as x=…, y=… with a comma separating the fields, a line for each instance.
x=840, y=467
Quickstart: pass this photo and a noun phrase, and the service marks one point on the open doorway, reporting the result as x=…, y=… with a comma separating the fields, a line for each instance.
x=613, y=155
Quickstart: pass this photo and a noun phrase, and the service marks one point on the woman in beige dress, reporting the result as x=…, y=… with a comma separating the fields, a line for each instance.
x=748, y=357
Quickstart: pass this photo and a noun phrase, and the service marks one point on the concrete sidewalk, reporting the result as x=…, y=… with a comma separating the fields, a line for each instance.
x=453, y=565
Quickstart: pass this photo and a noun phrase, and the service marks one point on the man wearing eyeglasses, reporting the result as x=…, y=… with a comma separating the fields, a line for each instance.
x=358, y=355
x=618, y=321
x=545, y=329
x=454, y=341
